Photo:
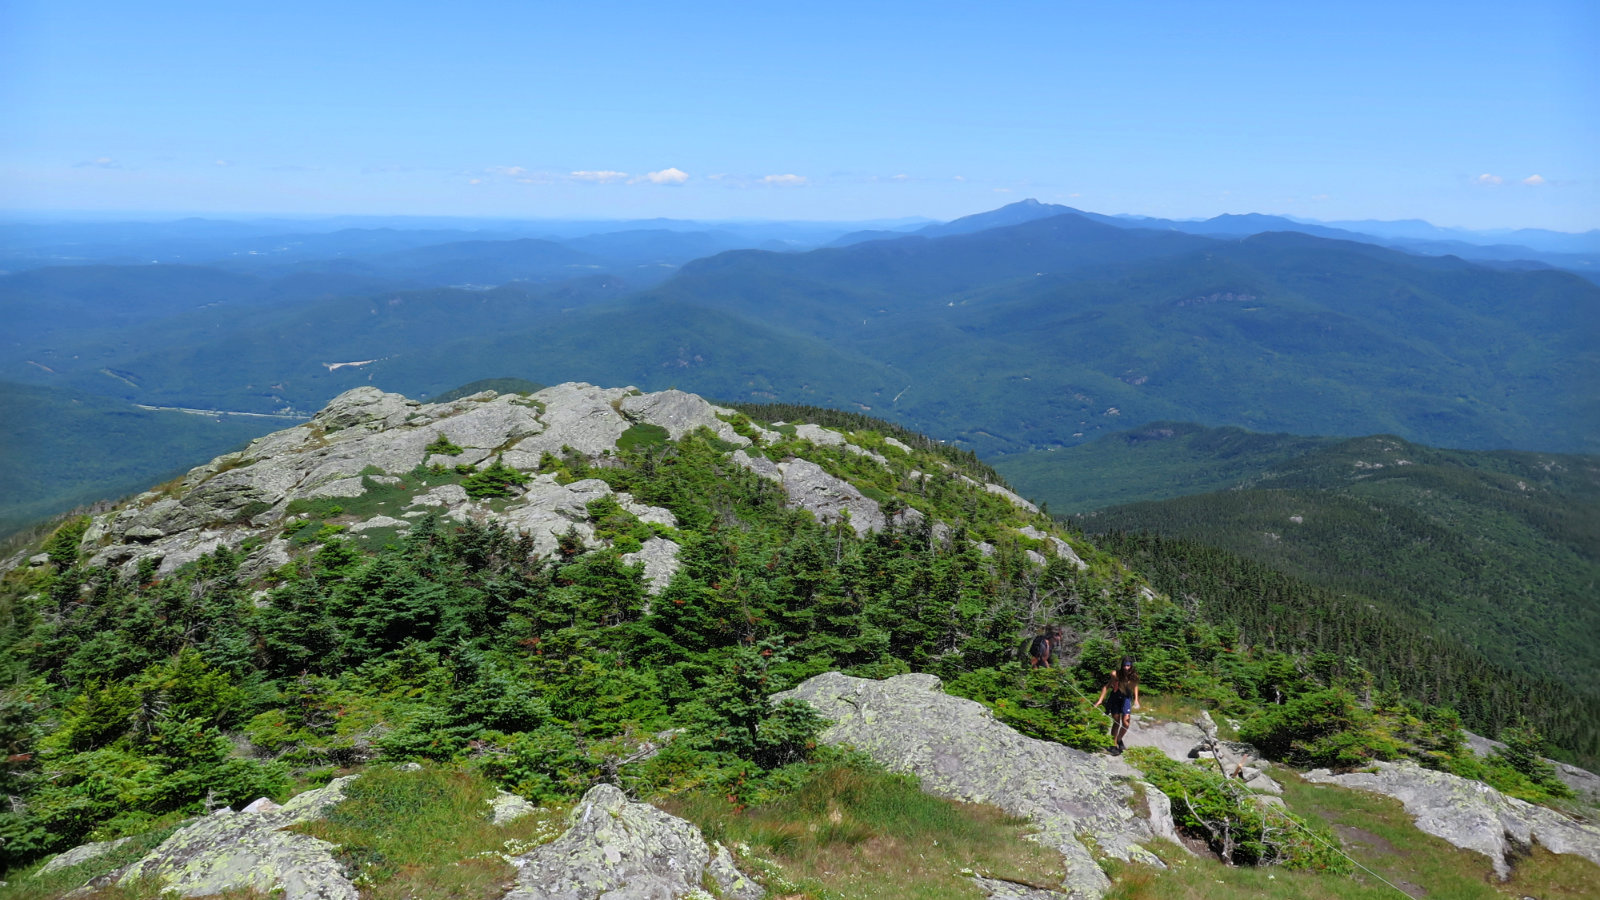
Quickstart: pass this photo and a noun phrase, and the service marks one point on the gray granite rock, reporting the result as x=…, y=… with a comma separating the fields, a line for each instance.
x=621, y=850
x=1470, y=814
x=1013, y=498
x=235, y=851
x=996, y=889
x=959, y=749
x=680, y=413
x=505, y=808
x=1062, y=548
x=810, y=487
x=816, y=434
x=760, y=465
x=660, y=559
x=80, y=854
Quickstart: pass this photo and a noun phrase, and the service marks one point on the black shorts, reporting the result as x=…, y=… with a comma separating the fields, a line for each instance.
x=1117, y=707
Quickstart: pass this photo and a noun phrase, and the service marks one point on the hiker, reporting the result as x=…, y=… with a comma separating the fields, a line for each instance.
x=1043, y=647
x=1121, y=697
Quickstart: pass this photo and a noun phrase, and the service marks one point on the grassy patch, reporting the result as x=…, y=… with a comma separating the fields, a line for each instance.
x=426, y=834
x=22, y=884
x=1376, y=832
x=641, y=435
x=853, y=831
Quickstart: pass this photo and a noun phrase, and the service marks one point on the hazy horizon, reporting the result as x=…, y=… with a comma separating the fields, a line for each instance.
x=1478, y=115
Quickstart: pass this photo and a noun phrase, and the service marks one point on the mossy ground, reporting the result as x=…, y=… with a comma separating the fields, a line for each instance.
x=848, y=832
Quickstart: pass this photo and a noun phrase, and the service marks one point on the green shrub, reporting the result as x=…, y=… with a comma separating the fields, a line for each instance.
x=1322, y=728
x=495, y=481
x=443, y=446
x=1229, y=819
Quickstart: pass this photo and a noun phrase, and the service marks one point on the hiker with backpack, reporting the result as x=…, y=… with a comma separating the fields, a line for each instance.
x=1042, y=648
x=1120, y=695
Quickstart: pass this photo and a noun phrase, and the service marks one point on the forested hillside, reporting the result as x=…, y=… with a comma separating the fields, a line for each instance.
x=141, y=691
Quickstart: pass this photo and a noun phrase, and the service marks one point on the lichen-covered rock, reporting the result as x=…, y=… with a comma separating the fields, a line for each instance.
x=810, y=487
x=234, y=851
x=995, y=889
x=960, y=750
x=1471, y=814
x=505, y=808
x=660, y=559
x=621, y=850
x=1062, y=548
x=80, y=854
x=760, y=465
x=680, y=413
x=1011, y=497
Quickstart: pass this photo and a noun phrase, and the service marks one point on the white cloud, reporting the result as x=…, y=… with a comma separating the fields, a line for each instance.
x=509, y=171
x=718, y=176
x=1320, y=197
x=1534, y=180
x=1002, y=190
x=475, y=181
x=604, y=176
x=787, y=180
x=900, y=177
x=99, y=162
x=960, y=178
x=665, y=176
x=222, y=162
x=1486, y=178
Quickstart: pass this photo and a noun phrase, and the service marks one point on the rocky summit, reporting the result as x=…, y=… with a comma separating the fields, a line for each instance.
x=366, y=439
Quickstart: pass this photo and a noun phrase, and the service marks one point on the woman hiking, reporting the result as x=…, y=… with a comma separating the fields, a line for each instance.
x=1121, y=697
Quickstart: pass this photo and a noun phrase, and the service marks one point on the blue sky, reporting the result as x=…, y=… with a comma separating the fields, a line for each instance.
x=1474, y=114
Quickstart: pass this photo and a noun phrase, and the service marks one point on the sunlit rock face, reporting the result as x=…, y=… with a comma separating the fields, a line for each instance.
x=958, y=749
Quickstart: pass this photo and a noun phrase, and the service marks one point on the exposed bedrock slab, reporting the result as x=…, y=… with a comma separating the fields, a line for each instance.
x=810, y=487
x=960, y=750
x=619, y=850
x=1470, y=814
x=237, y=851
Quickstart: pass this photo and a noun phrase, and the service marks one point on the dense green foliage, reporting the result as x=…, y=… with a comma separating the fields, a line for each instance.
x=136, y=696
x=1281, y=613
x=1497, y=552
x=66, y=448
x=1157, y=461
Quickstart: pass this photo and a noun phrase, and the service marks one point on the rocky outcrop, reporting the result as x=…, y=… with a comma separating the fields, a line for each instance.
x=617, y=849
x=659, y=557
x=830, y=499
x=505, y=808
x=960, y=750
x=1470, y=814
x=238, y=851
x=680, y=413
x=80, y=854
x=1184, y=742
x=1584, y=783
x=367, y=442
x=1061, y=548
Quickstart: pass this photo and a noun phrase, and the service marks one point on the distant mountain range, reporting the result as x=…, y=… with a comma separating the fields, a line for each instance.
x=1025, y=328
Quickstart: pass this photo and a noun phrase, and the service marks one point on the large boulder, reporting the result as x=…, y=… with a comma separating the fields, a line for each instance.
x=1470, y=814
x=960, y=750
x=249, y=850
x=830, y=499
x=622, y=850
